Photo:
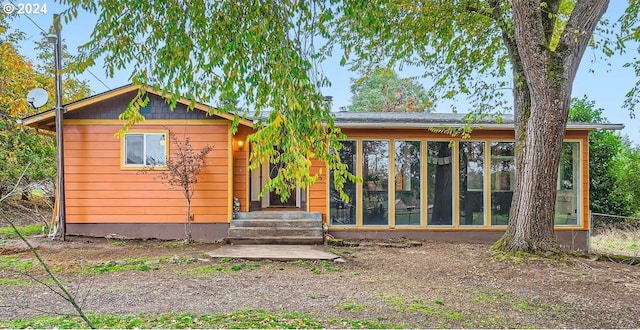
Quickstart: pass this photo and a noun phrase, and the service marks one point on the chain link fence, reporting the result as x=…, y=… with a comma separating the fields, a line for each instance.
x=614, y=235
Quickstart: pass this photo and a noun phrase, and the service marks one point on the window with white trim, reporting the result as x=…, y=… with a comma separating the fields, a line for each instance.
x=145, y=149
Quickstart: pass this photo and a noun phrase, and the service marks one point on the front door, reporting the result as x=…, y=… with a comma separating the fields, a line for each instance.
x=274, y=198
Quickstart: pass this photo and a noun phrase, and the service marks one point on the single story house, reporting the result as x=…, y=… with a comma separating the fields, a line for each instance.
x=417, y=184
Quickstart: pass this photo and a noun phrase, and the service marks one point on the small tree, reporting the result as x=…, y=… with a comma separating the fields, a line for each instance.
x=183, y=168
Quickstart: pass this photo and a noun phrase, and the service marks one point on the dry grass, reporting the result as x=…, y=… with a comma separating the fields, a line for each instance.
x=616, y=241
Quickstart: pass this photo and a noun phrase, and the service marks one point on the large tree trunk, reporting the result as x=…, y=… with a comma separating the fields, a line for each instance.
x=543, y=78
x=531, y=220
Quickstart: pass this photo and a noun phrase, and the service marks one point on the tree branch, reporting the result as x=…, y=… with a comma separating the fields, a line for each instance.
x=549, y=20
x=575, y=37
x=63, y=291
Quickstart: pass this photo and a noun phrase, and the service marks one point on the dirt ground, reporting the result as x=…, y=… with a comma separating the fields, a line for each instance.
x=437, y=284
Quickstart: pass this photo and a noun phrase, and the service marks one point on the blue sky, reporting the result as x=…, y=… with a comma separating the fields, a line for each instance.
x=606, y=85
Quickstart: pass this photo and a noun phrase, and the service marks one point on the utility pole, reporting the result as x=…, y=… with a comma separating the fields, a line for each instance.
x=55, y=38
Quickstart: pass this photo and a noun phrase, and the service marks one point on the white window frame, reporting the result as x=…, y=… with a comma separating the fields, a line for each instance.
x=145, y=134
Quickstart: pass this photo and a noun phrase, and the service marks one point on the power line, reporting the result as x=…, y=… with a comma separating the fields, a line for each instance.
x=45, y=32
x=98, y=79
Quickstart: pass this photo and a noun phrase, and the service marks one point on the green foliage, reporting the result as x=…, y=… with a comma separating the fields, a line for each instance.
x=613, y=187
x=462, y=52
x=382, y=90
x=268, y=64
x=18, y=145
x=627, y=169
x=27, y=230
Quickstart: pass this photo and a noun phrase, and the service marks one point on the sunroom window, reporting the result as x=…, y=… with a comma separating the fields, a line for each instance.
x=568, y=185
x=503, y=175
x=145, y=149
x=439, y=183
x=342, y=212
x=471, y=183
x=408, y=155
x=375, y=194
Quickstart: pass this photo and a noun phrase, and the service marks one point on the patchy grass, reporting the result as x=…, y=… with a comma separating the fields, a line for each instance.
x=178, y=244
x=365, y=324
x=16, y=262
x=130, y=264
x=316, y=267
x=23, y=282
x=434, y=308
x=617, y=242
x=328, y=266
x=244, y=265
x=26, y=230
x=351, y=305
x=340, y=252
x=246, y=319
x=15, y=282
x=499, y=302
x=135, y=264
x=207, y=270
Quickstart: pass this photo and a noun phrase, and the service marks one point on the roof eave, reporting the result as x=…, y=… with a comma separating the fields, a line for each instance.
x=596, y=127
x=382, y=125
x=37, y=119
x=487, y=126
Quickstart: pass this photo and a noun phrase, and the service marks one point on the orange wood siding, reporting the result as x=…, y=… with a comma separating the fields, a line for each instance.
x=583, y=137
x=241, y=167
x=318, y=192
x=585, y=179
x=98, y=190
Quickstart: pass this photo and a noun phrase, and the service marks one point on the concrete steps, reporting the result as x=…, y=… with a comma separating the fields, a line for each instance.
x=276, y=227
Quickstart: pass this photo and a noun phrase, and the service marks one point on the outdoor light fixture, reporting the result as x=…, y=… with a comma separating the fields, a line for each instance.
x=163, y=142
x=240, y=144
x=52, y=38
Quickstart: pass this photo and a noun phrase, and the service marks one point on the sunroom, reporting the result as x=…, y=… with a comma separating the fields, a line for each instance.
x=415, y=178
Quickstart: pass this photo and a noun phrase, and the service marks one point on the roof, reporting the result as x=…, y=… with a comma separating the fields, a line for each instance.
x=46, y=119
x=421, y=120
x=344, y=119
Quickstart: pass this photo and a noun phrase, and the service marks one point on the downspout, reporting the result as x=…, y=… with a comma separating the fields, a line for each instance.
x=62, y=223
